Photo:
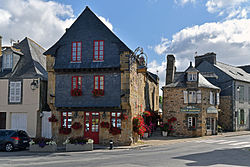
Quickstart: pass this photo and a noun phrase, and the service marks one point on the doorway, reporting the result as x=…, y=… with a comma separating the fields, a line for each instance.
x=2, y=120
x=91, y=126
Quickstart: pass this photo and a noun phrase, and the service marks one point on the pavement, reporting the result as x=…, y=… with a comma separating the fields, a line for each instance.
x=157, y=139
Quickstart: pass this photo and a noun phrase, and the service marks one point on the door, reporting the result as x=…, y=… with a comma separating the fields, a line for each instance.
x=91, y=126
x=19, y=121
x=46, y=125
x=213, y=126
x=2, y=120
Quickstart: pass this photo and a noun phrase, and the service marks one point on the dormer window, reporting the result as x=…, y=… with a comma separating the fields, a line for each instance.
x=192, y=76
x=7, y=61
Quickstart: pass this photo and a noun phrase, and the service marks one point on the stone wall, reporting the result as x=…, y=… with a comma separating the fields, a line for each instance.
x=226, y=114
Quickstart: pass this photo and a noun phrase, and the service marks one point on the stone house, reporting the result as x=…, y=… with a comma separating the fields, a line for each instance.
x=235, y=91
x=23, y=87
x=191, y=100
x=96, y=84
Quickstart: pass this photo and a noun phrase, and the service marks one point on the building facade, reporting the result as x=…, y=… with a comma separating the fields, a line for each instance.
x=23, y=87
x=235, y=91
x=190, y=100
x=97, y=84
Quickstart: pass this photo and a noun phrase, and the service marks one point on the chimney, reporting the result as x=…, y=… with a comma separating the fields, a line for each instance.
x=209, y=57
x=0, y=46
x=170, y=69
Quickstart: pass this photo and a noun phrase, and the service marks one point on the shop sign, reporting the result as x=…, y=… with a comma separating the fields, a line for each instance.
x=191, y=109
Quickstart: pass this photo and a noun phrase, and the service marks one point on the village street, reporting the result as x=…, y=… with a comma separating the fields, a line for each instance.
x=209, y=151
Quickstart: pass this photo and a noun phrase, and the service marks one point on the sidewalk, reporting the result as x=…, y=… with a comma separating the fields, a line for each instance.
x=157, y=140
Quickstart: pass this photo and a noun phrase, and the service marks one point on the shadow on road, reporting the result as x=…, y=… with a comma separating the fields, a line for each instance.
x=234, y=157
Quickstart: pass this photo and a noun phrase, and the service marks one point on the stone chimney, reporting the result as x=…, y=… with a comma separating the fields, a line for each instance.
x=0, y=46
x=209, y=57
x=170, y=69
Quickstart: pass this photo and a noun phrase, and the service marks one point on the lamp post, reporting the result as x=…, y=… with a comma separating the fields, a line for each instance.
x=236, y=109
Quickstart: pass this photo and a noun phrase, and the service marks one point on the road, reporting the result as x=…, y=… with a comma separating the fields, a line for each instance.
x=216, y=151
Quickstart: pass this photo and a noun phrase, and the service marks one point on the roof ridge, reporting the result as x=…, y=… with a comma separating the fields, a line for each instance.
x=35, y=43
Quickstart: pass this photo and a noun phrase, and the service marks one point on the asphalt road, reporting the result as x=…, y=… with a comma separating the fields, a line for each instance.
x=219, y=152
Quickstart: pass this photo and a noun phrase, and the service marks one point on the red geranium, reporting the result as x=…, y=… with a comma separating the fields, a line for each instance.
x=105, y=125
x=52, y=118
x=76, y=125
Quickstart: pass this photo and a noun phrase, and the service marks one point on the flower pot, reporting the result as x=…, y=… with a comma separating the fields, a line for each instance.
x=46, y=148
x=145, y=135
x=79, y=147
x=164, y=133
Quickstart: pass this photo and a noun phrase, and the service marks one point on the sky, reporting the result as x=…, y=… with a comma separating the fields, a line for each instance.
x=184, y=28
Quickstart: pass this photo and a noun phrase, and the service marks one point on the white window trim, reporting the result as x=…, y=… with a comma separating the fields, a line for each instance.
x=192, y=76
x=15, y=92
x=7, y=61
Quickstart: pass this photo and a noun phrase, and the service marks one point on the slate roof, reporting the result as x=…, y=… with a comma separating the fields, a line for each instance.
x=234, y=72
x=153, y=76
x=180, y=81
x=84, y=21
x=32, y=62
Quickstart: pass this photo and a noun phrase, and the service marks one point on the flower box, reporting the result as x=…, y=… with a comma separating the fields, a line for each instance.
x=46, y=148
x=164, y=133
x=79, y=147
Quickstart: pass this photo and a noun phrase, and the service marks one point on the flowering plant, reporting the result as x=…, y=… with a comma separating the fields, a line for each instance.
x=115, y=130
x=52, y=118
x=42, y=142
x=98, y=92
x=76, y=125
x=105, y=125
x=76, y=92
x=147, y=113
x=78, y=140
x=64, y=130
x=124, y=116
x=139, y=125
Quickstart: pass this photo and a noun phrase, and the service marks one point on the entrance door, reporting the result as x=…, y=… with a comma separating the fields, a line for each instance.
x=213, y=126
x=2, y=120
x=46, y=125
x=91, y=126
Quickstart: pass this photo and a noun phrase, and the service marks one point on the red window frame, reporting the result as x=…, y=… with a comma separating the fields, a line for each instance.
x=67, y=119
x=99, y=82
x=116, y=118
x=98, y=50
x=76, y=51
x=78, y=85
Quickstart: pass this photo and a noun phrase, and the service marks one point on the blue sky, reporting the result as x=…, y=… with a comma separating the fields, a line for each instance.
x=181, y=27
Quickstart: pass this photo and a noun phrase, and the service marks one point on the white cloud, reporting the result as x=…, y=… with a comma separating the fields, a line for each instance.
x=183, y=2
x=230, y=40
x=231, y=8
x=43, y=21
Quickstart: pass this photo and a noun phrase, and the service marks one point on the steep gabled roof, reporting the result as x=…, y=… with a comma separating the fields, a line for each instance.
x=234, y=72
x=87, y=20
x=32, y=62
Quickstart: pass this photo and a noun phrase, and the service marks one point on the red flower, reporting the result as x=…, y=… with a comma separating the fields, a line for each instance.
x=65, y=131
x=76, y=125
x=105, y=125
x=76, y=92
x=147, y=113
x=98, y=92
x=52, y=118
x=139, y=125
x=124, y=116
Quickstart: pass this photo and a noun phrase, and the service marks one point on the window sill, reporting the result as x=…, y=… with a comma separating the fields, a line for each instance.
x=75, y=62
x=96, y=61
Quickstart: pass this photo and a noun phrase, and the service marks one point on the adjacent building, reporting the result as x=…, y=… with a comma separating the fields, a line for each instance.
x=23, y=87
x=96, y=84
x=191, y=100
x=235, y=91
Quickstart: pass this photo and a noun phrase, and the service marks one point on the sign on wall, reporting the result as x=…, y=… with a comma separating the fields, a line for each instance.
x=191, y=109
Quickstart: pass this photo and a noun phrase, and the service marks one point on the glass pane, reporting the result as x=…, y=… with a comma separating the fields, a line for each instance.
x=101, y=42
x=101, y=52
x=96, y=43
x=79, y=44
x=96, y=52
x=74, y=44
x=96, y=48
x=118, y=114
x=101, y=47
x=113, y=114
x=113, y=122
x=100, y=57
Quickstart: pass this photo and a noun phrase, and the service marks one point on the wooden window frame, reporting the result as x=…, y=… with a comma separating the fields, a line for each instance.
x=76, y=61
x=67, y=120
x=116, y=118
x=77, y=84
x=99, y=82
x=15, y=92
x=193, y=122
x=98, y=50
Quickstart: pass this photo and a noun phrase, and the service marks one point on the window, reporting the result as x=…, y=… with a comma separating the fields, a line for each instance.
x=76, y=52
x=217, y=98
x=242, y=118
x=192, y=96
x=7, y=61
x=208, y=123
x=66, y=119
x=98, y=50
x=76, y=86
x=192, y=122
x=192, y=76
x=212, y=98
x=15, y=92
x=99, y=82
x=116, y=119
x=241, y=93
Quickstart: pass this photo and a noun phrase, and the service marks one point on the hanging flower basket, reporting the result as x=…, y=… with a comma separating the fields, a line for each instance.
x=147, y=113
x=105, y=125
x=98, y=92
x=52, y=118
x=76, y=125
x=124, y=116
x=76, y=92
x=65, y=131
x=139, y=125
x=115, y=130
